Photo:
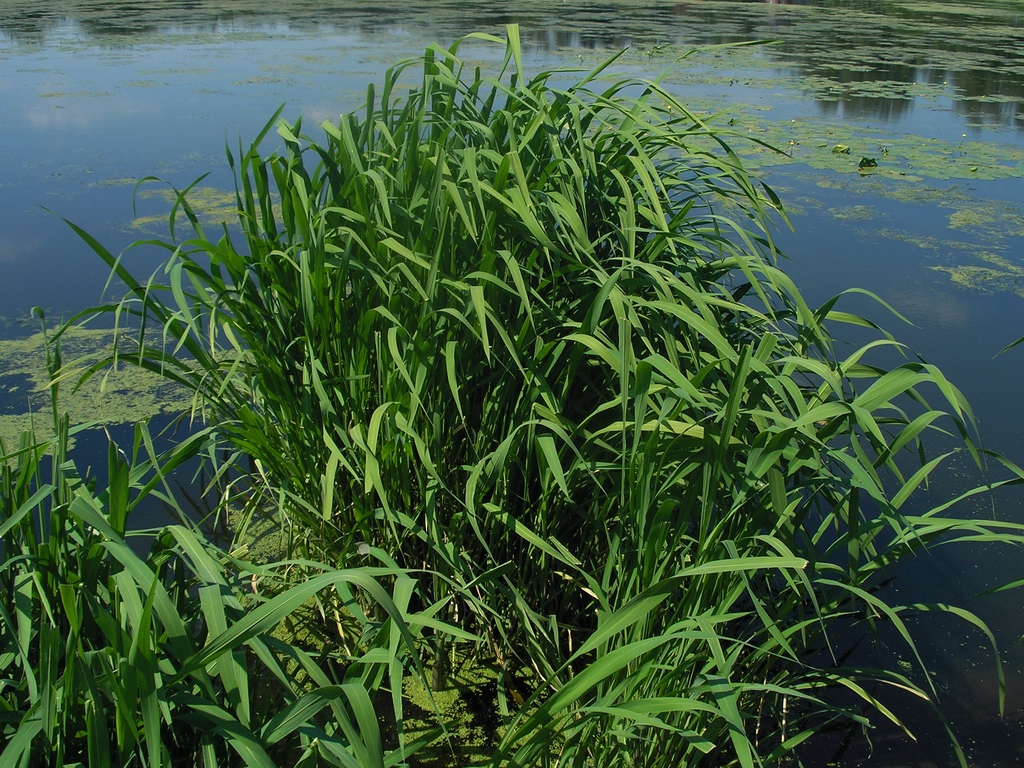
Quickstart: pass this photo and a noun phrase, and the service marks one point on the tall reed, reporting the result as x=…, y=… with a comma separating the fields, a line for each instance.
x=175, y=657
x=533, y=337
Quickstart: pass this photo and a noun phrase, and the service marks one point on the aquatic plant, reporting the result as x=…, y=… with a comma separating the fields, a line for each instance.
x=110, y=657
x=533, y=338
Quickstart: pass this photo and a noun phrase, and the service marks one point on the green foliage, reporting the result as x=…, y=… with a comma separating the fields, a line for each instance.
x=533, y=338
x=110, y=658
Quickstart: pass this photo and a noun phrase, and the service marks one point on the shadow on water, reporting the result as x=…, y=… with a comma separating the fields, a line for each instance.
x=182, y=498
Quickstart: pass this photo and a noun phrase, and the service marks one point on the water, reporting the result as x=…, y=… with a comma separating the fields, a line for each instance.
x=97, y=95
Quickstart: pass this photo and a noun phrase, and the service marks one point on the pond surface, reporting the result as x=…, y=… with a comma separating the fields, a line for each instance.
x=97, y=95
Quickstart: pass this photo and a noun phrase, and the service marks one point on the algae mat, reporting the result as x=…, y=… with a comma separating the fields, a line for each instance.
x=125, y=395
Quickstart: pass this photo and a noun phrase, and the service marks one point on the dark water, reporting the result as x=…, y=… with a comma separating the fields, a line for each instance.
x=97, y=95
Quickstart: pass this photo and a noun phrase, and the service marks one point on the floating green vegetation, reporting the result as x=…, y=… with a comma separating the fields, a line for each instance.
x=260, y=80
x=997, y=220
x=989, y=220
x=125, y=395
x=256, y=537
x=178, y=71
x=1000, y=275
x=466, y=703
x=840, y=147
x=950, y=9
x=985, y=225
x=835, y=144
x=213, y=206
x=73, y=94
x=995, y=273
x=856, y=213
x=118, y=182
x=971, y=218
x=936, y=245
x=869, y=79
x=921, y=194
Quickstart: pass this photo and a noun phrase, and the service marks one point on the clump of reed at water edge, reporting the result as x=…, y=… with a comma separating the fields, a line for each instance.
x=150, y=648
x=527, y=336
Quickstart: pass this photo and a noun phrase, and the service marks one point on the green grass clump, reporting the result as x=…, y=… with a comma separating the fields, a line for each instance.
x=531, y=338
x=134, y=648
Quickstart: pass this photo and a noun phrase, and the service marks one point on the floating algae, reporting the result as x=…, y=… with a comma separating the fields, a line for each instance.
x=467, y=704
x=126, y=395
x=906, y=157
x=999, y=275
x=971, y=218
x=856, y=213
x=212, y=206
x=73, y=94
x=996, y=220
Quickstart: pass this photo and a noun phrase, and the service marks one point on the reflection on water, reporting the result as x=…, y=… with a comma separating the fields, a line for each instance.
x=869, y=55
x=864, y=58
x=941, y=308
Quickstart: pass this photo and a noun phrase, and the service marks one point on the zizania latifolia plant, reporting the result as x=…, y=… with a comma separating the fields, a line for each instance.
x=531, y=337
x=173, y=658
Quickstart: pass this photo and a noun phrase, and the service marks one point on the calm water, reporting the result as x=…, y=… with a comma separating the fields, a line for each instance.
x=96, y=95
